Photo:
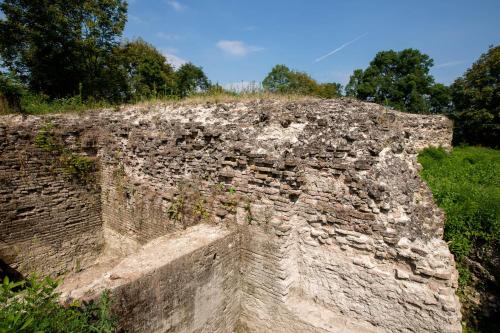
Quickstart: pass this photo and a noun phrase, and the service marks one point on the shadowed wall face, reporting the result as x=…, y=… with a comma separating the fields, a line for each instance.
x=50, y=221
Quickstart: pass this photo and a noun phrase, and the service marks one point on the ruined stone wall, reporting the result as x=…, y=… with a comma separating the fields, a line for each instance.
x=338, y=232
x=339, y=223
x=50, y=221
x=185, y=282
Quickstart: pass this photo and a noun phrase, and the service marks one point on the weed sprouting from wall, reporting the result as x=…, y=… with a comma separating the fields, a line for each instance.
x=76, y=165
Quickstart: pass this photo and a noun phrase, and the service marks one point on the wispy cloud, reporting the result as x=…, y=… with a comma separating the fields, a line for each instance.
x=172, y=58
x=177, y=6
x=449, y=64
x=237, y=47
x=167, y=36
x=340, y=47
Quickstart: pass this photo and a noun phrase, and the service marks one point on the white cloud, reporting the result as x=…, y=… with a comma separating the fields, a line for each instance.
x=237, y=47
x=449, y=64
x=167, y=36
x=172, y=58
x=340, y=48
x=177, y=6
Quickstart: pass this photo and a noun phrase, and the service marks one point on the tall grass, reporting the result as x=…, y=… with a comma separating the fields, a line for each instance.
x=38, y=104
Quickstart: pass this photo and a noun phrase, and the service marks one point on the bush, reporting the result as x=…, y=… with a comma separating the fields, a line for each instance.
x=466, y=185
x=33, y=306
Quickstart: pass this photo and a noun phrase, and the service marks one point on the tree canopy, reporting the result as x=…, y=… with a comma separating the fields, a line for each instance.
x=62, y=47
x=146, y=69
x=476, y=97
x=401, y=80
x=283, y=80
x=190, y=78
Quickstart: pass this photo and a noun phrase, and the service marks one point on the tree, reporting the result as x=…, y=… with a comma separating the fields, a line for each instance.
x=278, y=80
x=189, y=79
x=399, y=79
x=476, y=97
x=328, y=90
x=283, y=80
x=61, y=48
x=147, y=70
x=440, y=98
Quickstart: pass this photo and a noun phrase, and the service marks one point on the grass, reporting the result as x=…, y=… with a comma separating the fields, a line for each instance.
x=36, y=104
x=466, y=185
x=39, y=105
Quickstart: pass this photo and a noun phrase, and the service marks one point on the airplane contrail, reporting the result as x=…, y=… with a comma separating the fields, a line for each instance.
x=341, y=47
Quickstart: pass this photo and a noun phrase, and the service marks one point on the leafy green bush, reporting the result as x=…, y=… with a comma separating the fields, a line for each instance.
x=466, y=185
x=33, y=306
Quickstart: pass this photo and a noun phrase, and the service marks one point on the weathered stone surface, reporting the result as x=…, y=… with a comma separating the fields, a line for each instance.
x=337, y=231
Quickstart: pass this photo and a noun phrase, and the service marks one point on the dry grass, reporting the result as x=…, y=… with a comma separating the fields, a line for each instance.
x=226, y=98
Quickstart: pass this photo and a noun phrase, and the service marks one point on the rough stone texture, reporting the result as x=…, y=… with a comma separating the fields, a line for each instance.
x=338, y=232
x=185, y=282
x=49, y=221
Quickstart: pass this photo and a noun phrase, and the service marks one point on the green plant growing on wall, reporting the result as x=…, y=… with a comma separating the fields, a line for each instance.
x=248, y=210
x=176, y=209
x=45, y=138
x=200, y=210
x=76, y=165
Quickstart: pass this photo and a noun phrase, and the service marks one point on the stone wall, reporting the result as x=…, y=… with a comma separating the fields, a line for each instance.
x=50, y=221
x=338, y=232
x=185, y=282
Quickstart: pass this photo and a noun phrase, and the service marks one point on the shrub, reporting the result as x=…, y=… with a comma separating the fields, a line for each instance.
x=33, y=306
x=466, y=185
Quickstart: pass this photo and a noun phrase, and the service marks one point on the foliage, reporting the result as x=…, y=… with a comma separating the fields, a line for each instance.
x=11, y=90
x=285, y=81
x=190, y=79
x=328, y=90
x=33, y=306
x=176, y=210
x=400, y=80
x=466, y=185
x=61, y=48
x=73, y=164
x=148, y=73
x=40, y=104
x=476, y=96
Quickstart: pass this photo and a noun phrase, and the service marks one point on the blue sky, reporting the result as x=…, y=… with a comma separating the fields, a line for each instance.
x=238, y=41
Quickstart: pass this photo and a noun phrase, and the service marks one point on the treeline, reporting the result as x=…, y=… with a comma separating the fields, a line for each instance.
x=402, y=80
x=68, y=50
x=61, y=49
